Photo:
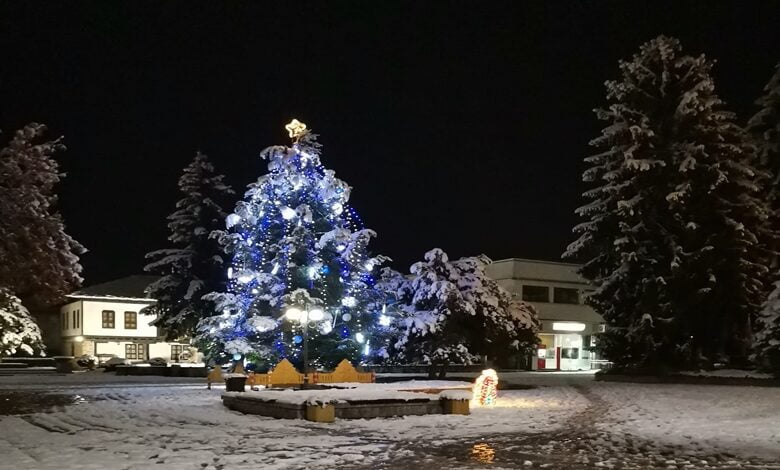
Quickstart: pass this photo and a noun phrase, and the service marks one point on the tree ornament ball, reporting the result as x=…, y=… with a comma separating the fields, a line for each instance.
x=486, y=388
x=346, y=317
x=297, y=339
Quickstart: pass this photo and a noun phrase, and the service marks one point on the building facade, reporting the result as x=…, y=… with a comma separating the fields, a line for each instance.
x=105, y=320
x=569, y=327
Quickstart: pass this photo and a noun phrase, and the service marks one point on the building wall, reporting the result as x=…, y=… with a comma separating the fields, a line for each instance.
x=514, y=274
x=68, y=313
x=93, y=319
x=567, y=324
x=82, y=332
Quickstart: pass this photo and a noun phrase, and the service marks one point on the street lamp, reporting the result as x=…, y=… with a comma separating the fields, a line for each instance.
x=303, y=317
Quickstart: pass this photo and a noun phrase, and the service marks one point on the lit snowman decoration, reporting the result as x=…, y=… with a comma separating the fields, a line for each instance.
x=486, y=388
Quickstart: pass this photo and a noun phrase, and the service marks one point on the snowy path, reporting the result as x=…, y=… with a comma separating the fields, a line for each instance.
x=567, y=422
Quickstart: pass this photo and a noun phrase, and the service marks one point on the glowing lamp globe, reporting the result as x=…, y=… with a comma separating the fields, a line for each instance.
x=486, y=388
x=293, y=314
x=316, y=314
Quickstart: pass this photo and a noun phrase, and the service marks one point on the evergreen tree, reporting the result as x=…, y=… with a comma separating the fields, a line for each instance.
x=18, y=331
x=40, y=262
x=764, y=128
x=296, y=247
x=193, y=267
x=671, y=233
x=767, y=340
x=450, y=312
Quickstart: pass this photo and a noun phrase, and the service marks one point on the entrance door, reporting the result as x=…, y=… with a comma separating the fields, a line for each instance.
x=545, y=354
x=570, y=347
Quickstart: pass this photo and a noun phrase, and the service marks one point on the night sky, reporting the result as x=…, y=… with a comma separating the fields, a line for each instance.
x=460, y=125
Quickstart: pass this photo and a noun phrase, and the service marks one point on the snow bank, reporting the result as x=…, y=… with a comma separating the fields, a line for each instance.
x=730, y=373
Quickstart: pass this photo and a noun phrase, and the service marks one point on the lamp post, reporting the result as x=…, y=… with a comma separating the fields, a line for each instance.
x=303, y=316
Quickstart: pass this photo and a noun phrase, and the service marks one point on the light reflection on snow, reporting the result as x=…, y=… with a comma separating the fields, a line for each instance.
x=483, y=453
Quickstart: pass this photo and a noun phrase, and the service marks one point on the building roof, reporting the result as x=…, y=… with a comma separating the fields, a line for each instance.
x=538, y=261
x=130, y=287
x=535, y=270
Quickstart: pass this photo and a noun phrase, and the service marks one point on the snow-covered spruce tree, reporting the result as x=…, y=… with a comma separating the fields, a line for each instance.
x=764, y=129
x=40, y=261
x=19, y=334
x=193, y=266
x=450, y=312
x=296, y=246
x=767, y=339
x=670, y=238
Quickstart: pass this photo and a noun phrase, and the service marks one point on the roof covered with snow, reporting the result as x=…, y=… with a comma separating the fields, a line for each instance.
x=133, y=287
x=529, y=269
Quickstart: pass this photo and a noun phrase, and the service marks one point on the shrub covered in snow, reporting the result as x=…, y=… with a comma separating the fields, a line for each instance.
x=450, y=312
x=19, y=334
x=87, y=361
x=157, y=361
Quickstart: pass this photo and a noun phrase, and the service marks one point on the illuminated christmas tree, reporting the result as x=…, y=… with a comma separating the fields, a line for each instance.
x=301, y=273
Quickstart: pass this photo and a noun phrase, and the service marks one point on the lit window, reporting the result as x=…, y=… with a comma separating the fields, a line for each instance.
x=108, y=318
x=131, y=320
x=176, y=350
x=135, y=351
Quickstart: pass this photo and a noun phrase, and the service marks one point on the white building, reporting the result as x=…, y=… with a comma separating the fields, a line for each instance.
x=105, y=320
x=557, y=291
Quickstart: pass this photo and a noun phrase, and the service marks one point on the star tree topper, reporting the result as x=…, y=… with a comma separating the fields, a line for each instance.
x=296, y=129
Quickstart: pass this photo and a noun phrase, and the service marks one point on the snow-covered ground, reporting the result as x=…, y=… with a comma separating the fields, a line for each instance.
x=568, y=421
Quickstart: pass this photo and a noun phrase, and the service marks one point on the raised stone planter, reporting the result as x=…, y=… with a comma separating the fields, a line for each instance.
x=264, y=408
x=13, y=365
x=164, y=371
x=29, y=361
x=349, y=409
x=321, y=413
x=456, y=406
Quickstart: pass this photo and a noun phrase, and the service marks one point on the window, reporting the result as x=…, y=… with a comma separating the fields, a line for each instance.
x=563, y=295
x=108, y=318
x=135, y=351
x=78, y=318
x=75, y=320
x=131, y=320
x=570, y=353
x=176, y=350
x=64, y=320
x=536, y=293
